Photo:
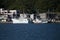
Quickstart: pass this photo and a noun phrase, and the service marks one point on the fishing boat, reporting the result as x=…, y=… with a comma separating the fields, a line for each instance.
x=19, y=21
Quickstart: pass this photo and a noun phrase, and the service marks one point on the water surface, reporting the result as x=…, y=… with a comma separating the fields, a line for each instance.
x=30, y=31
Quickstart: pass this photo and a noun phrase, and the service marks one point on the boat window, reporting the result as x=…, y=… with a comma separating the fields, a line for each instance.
x=38, y=17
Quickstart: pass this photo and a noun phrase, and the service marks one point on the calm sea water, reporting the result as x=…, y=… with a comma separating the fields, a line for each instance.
x=30, y=31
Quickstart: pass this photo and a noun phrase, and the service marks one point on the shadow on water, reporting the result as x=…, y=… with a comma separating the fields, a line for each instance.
x=30, y=31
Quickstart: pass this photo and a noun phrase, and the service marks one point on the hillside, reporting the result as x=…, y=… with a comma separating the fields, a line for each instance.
x=31, y=5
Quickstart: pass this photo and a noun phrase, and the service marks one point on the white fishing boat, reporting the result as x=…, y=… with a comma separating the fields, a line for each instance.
x=44, y=21
x=37, y=21
x=19, y=20
x=40, y=21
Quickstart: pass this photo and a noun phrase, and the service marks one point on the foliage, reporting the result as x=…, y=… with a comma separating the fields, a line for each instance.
x=29, y=5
